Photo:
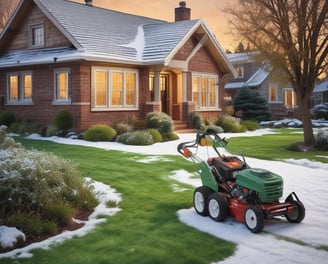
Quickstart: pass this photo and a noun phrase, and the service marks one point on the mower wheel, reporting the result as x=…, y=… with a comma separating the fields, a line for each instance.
x=298, y=214
x=201, y=195
x=217, y=207
x=254, y=219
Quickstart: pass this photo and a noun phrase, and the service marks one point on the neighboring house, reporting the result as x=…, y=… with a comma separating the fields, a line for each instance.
x=106, y=66
x=320, y=93
x=281, y=99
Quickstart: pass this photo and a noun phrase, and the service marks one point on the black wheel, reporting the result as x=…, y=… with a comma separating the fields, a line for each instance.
x=298, y=214
x=217, y=207
x=201, y=195
x=254, y=219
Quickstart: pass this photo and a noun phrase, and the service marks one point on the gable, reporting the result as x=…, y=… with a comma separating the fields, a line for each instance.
x=19, y=37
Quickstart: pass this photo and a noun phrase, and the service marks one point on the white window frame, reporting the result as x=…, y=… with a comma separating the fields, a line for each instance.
x=21, y=97
x=207, y=105
x=57, y=99
x=36, y=43
x=109, y=106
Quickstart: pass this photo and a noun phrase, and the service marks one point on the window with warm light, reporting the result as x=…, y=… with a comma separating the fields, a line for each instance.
x=290, y=98
x=114, y=88
x=19, y=87
x=61, y=86
x=205, y=91
x=273, y=93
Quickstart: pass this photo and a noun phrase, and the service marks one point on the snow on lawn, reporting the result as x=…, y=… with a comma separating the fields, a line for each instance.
x=280, y=241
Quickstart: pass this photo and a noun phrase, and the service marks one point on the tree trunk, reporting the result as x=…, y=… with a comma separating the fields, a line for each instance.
x=304, y=105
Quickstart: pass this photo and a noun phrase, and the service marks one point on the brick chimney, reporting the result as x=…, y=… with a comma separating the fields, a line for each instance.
x=182, y=12
x=88, y=2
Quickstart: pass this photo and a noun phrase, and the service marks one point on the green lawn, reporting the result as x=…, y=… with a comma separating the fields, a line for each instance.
x=274, y=146
x=147, y=229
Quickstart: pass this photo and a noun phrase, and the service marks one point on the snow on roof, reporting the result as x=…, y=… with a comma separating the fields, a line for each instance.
x=241, y=57
x=321, y=87
x=105, y=35
x=257, y=78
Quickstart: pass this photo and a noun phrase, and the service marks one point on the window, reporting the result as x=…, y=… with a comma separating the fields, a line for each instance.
x=37, y=35
x=273, y=93
x=19, y=87
x=61, y=86
x=240, y=71
x=205, y=90
x=115, y=88
x=290, y=98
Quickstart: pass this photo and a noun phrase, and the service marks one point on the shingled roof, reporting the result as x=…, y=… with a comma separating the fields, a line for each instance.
x=105, y=35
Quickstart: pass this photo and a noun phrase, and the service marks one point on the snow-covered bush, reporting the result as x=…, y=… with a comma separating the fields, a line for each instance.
x=32, y=182
x=138, y=138
x=322, y=139
x=160, y=121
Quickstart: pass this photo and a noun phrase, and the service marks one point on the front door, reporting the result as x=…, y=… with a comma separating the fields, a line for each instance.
x=164, y=88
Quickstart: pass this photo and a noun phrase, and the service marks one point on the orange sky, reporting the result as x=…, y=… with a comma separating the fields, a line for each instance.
x=208, y=10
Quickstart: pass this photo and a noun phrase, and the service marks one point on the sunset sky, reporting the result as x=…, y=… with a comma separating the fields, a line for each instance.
x=208, y=10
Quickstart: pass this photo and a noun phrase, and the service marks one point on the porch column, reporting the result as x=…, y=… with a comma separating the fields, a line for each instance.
x=157, y=87
x=184, y=86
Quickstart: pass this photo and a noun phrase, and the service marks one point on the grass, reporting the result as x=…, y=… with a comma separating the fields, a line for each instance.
x=274, y=146
x=147, y=230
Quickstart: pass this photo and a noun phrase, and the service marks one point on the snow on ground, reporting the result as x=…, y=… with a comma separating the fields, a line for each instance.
x=280, y=241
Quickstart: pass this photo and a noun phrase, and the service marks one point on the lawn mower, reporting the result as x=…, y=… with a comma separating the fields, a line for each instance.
x=231, y=187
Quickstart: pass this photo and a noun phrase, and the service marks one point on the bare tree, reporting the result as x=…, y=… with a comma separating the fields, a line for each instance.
x=6, y=9
x=293, y=36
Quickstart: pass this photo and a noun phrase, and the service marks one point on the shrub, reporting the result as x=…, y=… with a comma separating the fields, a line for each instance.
x=30, y=224
x=139, y=137
x=322, y=139
x=251, y=105
x=7, y=118
x=25, y=128
x=99, y=133
x=250, y=125
x=230, y=124
x=122, y=127
x=60, y=213
x=160, y=121
x=170, y=136
x=195, y=120
x=157, y=137
x=63, y=120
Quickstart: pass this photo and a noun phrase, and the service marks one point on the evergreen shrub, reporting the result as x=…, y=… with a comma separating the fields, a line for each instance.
x=99, y=133
x=63, y=120
x=250, y=125
x=7, y=118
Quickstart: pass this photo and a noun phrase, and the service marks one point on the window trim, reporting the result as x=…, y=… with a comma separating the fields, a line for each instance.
x=21, y=100
x=275, y=95
x=31, y=36
x=57, y=100
x=216, y=92
x=109, y=106
x=294, y=96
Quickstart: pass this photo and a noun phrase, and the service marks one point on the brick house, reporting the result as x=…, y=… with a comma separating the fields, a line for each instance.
x=105, y=66
x=281, y=99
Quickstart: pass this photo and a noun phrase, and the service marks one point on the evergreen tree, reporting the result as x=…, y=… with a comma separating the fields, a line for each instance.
x=251, y=105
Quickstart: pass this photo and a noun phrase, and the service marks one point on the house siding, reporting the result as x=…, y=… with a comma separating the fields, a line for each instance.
x=20, y=40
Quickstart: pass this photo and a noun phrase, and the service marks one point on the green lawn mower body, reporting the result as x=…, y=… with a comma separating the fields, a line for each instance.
x=231, y=187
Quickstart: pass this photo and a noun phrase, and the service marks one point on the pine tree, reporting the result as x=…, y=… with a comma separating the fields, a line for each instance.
x=251, y=105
